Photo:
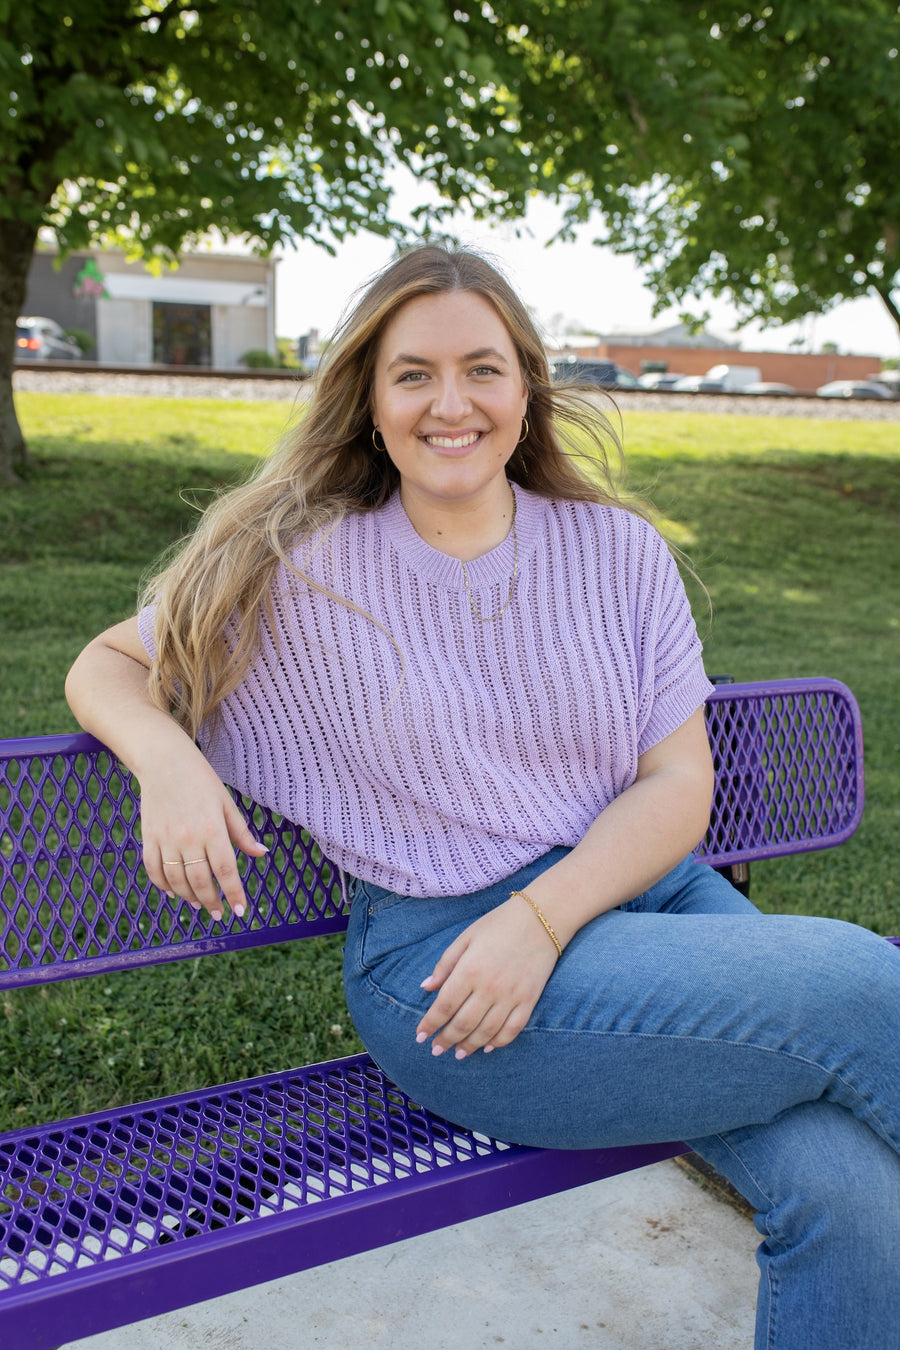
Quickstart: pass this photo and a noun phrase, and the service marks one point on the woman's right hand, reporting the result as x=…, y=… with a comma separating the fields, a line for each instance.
x=190, y=823
x=191, y=826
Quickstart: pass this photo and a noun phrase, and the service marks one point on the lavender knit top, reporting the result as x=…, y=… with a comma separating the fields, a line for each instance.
x=430, y=752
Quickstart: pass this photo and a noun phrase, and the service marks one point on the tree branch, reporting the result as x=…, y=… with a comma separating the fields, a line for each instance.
x=883, y=291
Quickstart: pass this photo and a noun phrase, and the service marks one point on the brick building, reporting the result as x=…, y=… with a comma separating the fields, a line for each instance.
x=675, y=350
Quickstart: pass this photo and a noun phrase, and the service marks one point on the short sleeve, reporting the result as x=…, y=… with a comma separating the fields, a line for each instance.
x=674, y=683
x=146, y=621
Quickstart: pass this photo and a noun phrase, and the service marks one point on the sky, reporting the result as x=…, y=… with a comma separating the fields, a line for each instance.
x=578, y=281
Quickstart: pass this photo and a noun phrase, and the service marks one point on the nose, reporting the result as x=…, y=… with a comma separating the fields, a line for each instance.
x=450, y=400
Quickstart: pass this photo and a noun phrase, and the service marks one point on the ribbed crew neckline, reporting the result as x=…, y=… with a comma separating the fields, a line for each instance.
x=443, y=570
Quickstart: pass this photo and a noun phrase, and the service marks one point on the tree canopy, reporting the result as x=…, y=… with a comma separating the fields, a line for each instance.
x=744, y=150
x=148, y=122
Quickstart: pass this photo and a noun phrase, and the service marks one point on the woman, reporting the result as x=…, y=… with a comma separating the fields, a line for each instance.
x=432, y=634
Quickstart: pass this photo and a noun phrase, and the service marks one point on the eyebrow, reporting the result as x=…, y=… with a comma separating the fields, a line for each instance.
x=479, y=355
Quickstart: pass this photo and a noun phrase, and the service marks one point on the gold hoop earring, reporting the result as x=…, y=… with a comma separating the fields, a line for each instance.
x=380, y=448
x=524, y=436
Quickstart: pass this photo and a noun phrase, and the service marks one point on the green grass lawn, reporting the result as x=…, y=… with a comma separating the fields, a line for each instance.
x=792, y=524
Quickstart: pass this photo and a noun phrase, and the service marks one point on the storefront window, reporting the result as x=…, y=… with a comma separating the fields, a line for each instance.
x=182, y=335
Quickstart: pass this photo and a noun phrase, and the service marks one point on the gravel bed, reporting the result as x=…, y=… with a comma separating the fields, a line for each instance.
x=165, y=384
x=757, y=405
x=159, y=384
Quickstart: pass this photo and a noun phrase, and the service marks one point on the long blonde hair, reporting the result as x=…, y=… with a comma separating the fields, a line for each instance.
x=210, y=598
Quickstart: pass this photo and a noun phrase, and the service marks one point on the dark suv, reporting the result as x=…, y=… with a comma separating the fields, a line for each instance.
x=605, y=374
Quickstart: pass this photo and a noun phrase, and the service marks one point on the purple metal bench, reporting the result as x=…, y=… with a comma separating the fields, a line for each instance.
x=123, y=1214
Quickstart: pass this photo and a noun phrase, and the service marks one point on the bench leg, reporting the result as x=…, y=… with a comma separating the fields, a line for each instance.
x=739, y=876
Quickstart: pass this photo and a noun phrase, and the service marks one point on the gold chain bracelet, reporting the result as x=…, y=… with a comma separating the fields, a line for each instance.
x=549, y=931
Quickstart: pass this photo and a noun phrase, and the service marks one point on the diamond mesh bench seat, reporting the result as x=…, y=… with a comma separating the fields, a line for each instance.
x=202, y=1193
x=122, y=1214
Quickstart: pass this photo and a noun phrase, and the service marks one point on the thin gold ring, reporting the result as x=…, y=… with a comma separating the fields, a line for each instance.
x=178, y=862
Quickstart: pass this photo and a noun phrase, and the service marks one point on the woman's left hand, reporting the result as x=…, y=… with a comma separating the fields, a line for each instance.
x=488, y=981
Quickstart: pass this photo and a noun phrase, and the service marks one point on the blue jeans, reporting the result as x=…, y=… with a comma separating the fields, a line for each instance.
x=769, y=1043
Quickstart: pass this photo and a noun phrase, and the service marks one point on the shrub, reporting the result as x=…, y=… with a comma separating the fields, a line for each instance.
x=84, y=339
x=287, y=354
x=259, y=359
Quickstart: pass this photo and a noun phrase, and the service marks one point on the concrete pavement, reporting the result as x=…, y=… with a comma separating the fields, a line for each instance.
x=646, y=1261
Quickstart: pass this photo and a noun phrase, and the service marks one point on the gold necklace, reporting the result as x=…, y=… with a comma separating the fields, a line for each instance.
x=492, y=618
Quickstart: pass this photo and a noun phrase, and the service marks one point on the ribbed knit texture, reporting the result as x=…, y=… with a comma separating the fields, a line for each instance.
x=434, y=754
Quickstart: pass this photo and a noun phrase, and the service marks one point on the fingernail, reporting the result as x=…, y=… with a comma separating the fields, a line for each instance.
x=488, y=1049
x=421, y=1036
x=437, y=1049
x=239, y=911
x=461, y=1054
x=215, y=914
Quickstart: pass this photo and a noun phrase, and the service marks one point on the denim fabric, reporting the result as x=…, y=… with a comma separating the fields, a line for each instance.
x=769, y=1043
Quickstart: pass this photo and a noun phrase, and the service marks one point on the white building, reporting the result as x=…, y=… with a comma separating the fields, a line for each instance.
x=209, y=311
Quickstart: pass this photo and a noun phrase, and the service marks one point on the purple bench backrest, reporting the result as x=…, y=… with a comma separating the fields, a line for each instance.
x=74, y=899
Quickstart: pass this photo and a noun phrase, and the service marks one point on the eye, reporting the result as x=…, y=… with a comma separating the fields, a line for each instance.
x=485, y=370
x=411, y=377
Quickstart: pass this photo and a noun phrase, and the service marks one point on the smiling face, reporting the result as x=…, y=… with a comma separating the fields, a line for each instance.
x=449, y=399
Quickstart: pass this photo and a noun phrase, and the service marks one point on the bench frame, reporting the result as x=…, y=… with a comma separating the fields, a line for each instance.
x=126, y=1213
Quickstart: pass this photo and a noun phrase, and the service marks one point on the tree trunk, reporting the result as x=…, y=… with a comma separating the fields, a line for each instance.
x=17, y=241
x=888, y=301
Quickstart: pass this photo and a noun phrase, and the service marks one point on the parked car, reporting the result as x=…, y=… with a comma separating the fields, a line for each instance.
x=734, y=379
x=853, y=389
x=604, y=374
x=698, y=384
x=660, y=379
x=39, y=339
x=773, y=390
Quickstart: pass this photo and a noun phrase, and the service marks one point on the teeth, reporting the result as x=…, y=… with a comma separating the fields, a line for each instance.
x=452, y=442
